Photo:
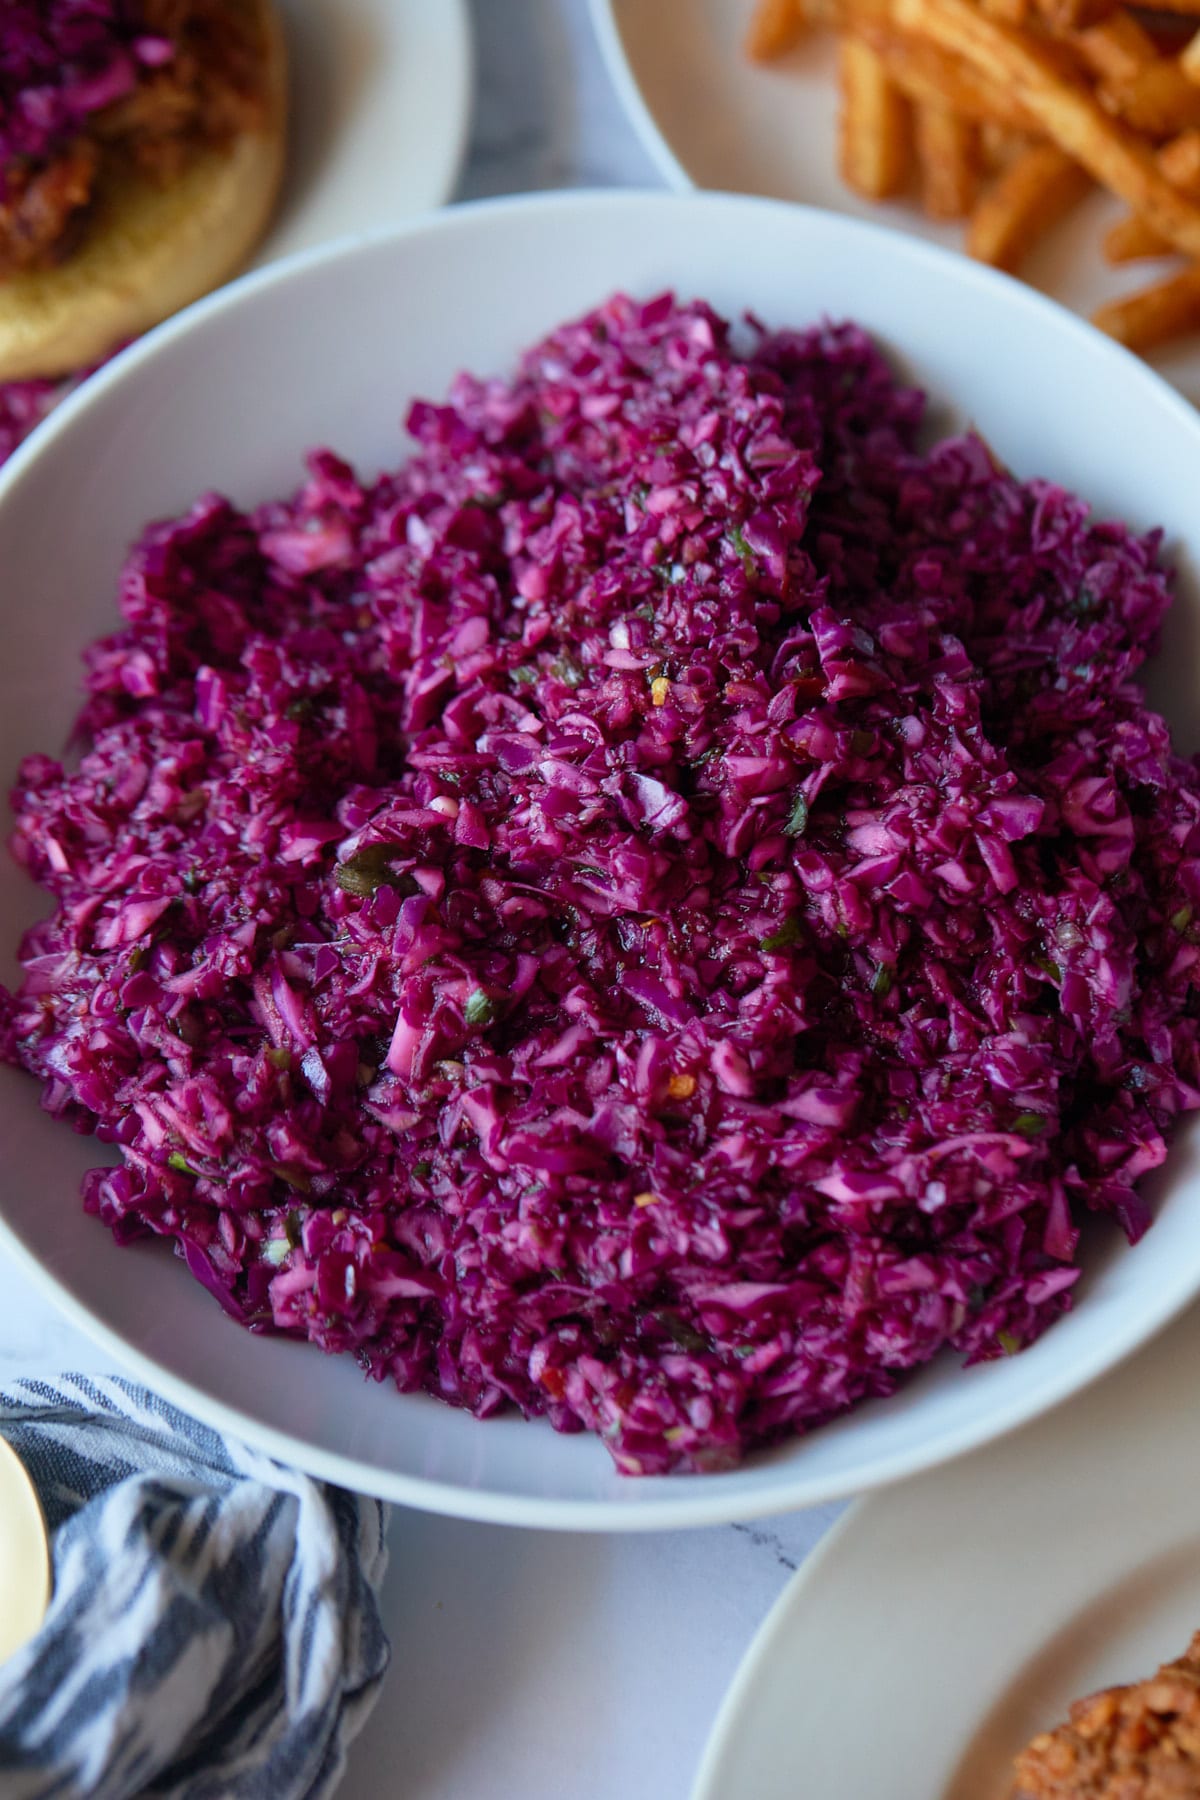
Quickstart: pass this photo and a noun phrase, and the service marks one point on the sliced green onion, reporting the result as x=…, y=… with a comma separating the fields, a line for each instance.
x=738, y=540
x=366, y=870
x=789, y=933
x=479, y=1009
x=797, y=823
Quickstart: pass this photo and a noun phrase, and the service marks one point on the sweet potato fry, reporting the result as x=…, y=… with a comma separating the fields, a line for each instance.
x=774, y=28
x=948, y=159
x=1038, y=190
x=1067, y=113
x=1157, y=100
x=873, y=126
x=1116, y=49
x=1154, y=315
x=1013, y=12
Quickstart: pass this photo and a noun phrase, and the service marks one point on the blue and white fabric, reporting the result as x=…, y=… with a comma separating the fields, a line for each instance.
x=214, y=1632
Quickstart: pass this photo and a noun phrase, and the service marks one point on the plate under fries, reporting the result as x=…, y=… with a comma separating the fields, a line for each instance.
x=710, y=118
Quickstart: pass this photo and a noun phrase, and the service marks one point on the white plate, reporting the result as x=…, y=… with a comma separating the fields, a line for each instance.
x=381, y=104
x=940, y=1626
x=330, y=348
x=24, y=1556
x=711, y=118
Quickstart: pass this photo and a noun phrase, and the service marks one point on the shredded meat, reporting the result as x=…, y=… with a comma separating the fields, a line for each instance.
x=210, y=91
x=43, y=210
x=1140, y=1742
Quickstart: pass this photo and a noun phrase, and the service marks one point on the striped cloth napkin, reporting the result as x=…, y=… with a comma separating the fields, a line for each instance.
x=214, y=1632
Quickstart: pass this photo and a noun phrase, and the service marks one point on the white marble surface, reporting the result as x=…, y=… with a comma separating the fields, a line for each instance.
x=527, y=1666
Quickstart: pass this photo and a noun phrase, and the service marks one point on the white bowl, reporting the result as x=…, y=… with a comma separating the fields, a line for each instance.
x=330, y=348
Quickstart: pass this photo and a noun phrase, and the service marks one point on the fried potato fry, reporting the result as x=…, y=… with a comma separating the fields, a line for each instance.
x=1185, y=9
x=1013, y=12
x=1180, y=162
x=1066, y=112
x=873, y=144
x=1158, y=100
x=1170, y=31
x=948, y=160
x=1156, y=314
x=1044, y=104
x=1131, y=240
x=1025, y=203
x=927, y=74
x=1000, y=146
x=824, y=13
x=1072, y=15
x=1116, y=49
x=1189, y=59
x=983, y=105
x=774, y=28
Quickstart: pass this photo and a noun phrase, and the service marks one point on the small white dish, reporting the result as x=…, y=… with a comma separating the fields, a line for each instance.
x=24, y=1556
x=711, y=118
x=941, y=1626
x=381, y=108
x=330, y=348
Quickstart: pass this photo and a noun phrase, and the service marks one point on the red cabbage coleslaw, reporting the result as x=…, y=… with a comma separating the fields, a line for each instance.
x=62, y=61
x=666, y=911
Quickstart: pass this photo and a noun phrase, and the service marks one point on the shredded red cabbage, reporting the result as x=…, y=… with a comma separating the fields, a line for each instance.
x=63, y=60
x=667, y=911
x=24, y=404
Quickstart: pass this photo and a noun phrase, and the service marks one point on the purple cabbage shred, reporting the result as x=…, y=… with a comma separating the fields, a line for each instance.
x=666, y=912
x=63, y=60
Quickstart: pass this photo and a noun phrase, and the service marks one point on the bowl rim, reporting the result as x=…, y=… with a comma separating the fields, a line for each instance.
x=665, y=1502
x=463, y=215
x=609, y=35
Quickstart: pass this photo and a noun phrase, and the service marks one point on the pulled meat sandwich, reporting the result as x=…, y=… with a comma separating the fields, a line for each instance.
x=1140, y=1742
x=141, y=151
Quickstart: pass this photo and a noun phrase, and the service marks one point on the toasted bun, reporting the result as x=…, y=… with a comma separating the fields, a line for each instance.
x=150, y=250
